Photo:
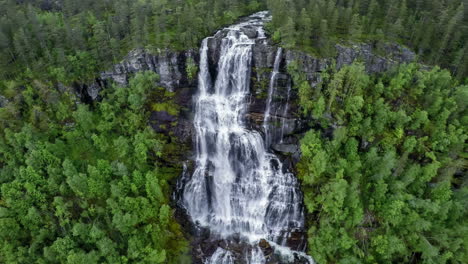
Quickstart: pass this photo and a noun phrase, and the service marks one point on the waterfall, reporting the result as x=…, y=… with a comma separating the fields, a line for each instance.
x=271, y=91
x=221, y=256
x=238, y=188
x=285, y=112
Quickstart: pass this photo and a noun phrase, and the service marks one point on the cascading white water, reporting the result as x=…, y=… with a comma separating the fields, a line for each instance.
x=271, y=90
x=237, y=187
x=285, y=111
x=221, y=256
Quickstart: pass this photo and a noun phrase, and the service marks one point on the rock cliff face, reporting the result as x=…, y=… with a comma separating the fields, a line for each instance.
x=286, y=123
x=169, y=65
x=374, y=63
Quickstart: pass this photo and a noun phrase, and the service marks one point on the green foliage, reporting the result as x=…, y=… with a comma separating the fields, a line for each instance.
x=169, y=107
x=164, y=101
x=191, y=68
x=261, y=86
x=85, y=185
x=390, y=185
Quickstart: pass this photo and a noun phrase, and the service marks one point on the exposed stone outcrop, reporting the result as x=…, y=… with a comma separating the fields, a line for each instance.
x=86, y=92
x=375, y=63
x=169, y=65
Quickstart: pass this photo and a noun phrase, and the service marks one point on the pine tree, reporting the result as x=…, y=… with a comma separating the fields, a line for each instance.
x=364, y=6
x=22, y=47
x=403, y=12
x=288, y=33
x=372, y=16
x=333, y=23
x=451, y=26
x=461, y=62
x=324, y=42
x=355, y=29
x=304, y=28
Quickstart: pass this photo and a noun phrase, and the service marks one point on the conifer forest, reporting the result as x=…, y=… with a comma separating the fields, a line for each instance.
x=233, y=131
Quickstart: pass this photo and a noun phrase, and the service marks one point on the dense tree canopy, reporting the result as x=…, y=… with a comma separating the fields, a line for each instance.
x=85, y=184
x=385, y=179
x=69, y=40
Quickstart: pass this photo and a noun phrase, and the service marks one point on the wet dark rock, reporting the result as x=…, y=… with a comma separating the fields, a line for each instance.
x=286, y=148
x=203, y=247
x=163, y=116
x=87, y=93
x=3, y=101
x=184, y=132
x=251, y=32
x=297, y=240
x=263, y=54
x=183, y=98
x=255, y=117
x=266, y=248
x=214, y=46
x=161, y=120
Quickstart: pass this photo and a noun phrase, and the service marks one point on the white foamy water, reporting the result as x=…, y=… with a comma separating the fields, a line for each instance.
x=238, y=187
